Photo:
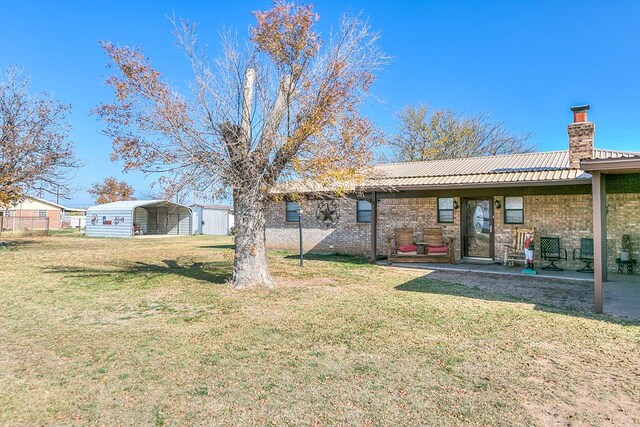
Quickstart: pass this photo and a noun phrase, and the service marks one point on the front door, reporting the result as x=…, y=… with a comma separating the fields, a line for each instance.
x=477, y=233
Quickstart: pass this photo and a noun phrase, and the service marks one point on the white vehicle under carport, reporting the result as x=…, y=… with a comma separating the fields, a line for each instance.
x=138, y=217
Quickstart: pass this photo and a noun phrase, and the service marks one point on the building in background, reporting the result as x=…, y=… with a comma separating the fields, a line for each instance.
x=34, y=212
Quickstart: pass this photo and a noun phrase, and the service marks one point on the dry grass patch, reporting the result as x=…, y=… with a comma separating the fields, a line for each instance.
x=146, y=331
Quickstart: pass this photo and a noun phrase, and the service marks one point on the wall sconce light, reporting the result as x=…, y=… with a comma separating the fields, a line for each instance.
x=455, y=204
x=497, y=204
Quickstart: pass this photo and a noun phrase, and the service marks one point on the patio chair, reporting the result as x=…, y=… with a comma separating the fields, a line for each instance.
x=515, y=251
x=402, y=244
x=402, y=247
x=437, y=247
x=585, y=254
x=551, y=251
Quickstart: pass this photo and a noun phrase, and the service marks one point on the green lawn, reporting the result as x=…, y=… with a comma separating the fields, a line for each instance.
x=146, y=332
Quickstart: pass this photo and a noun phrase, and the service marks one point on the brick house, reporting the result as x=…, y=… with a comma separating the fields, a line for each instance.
x=471, y=197
x=36, y=212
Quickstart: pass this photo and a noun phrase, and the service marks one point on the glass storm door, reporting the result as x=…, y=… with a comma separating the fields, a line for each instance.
x=478, y=228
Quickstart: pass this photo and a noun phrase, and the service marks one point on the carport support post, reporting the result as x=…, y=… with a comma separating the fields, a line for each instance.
x=599, y=195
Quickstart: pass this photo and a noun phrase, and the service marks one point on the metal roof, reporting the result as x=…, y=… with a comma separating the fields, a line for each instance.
x=542, y=168
x=545, y=167
x=510, y=163
x=132, y=204
x=219, y=207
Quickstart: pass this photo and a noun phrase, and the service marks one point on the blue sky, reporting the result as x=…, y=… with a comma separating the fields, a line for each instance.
x=525, y=62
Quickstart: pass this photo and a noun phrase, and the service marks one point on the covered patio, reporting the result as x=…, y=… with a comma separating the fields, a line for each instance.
x=621, y=171
x=574, y=289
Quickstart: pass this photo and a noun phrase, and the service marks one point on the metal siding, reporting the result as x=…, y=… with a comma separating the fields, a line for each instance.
x=216, y=222
x=172, y=227
x=141, y=216
x=152, y=221
x=197, y=219
x=122, y=229
x=185, y=223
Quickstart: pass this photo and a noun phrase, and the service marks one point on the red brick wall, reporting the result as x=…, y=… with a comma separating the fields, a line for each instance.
x=566, y=216
x=53, y=215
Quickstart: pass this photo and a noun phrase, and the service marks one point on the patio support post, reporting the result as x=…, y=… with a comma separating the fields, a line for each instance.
x=599, y=194
x=374, y=226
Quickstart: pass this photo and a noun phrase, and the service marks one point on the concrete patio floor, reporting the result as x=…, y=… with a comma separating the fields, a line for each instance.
x=621, y=292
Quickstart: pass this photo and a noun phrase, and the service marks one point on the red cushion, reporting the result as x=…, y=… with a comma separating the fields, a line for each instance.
x=407, y=248
x=437, y=249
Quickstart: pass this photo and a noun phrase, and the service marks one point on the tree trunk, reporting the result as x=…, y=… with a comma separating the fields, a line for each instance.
x=250, y=267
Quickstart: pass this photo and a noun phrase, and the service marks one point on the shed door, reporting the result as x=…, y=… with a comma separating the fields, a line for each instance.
x=215, y=222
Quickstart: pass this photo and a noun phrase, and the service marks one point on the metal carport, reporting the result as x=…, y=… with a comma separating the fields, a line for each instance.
x=138, y=217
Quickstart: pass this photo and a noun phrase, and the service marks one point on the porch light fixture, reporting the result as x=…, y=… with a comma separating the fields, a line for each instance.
x=455, y=204
x=497, y=204
x=300, y=229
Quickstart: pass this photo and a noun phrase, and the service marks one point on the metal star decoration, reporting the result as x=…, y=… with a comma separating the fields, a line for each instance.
x=327, y=212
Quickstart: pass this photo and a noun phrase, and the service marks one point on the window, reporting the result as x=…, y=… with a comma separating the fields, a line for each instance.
x=363, y=211
x=445, y=209
x=7, y=213
x=42, y=213
x=292, y=212
x=513, y=210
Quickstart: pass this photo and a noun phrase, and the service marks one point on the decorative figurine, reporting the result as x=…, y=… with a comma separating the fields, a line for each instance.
x=528, y=254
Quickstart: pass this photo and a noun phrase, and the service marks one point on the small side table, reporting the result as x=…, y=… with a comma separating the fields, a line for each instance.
x=625, y=266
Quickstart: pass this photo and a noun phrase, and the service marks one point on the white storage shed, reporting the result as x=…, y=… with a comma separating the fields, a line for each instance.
x=138, y=217
x=215, y=220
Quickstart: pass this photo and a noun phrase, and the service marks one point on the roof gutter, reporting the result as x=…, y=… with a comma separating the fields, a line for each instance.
x=618, y=164
x=583, y=181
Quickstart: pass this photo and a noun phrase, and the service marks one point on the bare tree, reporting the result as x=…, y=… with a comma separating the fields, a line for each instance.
x=35, y=151
x=284, y=106
x=445, y=134
x=111, y=190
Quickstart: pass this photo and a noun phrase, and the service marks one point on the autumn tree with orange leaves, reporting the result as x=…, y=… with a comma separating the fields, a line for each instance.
x=111, y=190
x=283, y=106
x=36, y=154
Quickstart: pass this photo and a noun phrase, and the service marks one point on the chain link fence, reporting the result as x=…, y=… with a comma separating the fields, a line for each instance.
x=24, y=226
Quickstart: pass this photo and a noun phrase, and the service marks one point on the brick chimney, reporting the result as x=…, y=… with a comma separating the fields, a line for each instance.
x=581, y=134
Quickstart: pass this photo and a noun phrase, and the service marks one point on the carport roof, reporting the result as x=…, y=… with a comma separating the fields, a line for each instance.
x=132, y=204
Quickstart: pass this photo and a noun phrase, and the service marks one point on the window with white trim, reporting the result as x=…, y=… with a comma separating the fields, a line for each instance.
x=445, y=209
x=514, y=210
x=363, y=211
x=42, y=213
